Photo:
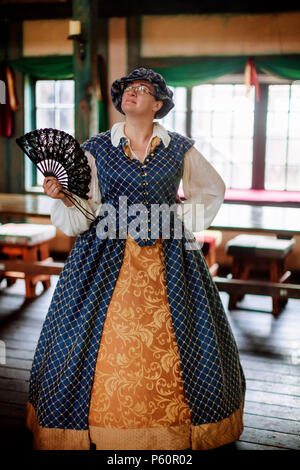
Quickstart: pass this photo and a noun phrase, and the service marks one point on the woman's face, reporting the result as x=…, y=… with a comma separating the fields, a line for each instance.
x=138, y=104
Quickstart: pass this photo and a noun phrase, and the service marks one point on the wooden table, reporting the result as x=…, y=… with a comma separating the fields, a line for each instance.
x=24, y=205
x=27, y=205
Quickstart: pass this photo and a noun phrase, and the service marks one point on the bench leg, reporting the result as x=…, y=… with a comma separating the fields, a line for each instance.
x=44, y=254
x=29, y=255
x=240, y=270
x=277, y=275
x=46, y=284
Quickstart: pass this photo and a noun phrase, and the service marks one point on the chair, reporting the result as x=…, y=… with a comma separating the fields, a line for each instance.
x=259, y=252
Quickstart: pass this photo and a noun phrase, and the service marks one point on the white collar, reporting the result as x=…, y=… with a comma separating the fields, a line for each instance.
x=117, y=132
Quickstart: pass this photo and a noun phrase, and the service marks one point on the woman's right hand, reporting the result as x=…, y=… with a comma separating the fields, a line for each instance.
x=53, y=188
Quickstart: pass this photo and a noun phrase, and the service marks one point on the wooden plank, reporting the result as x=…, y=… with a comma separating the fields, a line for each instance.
x=243, y=445
x=269, y=351
x=287, y=352
x=28, y=329
x=31, y=319
x=12, y=373
x=18, y=398
x=272, y=366
x=272, y=411
x=13, y=384
x=257, y=287
x=29, y=267
x=275, y=378
x=15, y=411
x=282, y=389
x=20, y=345
x=263, y=333
x=33, y=339
x=12, y=423
x=33, y=316
x=273, y=438
x=11, y=334
x=272, y=424
x=273, y=399
x=18, y=354
x=18, y=363
x=248, y=313
x=284, y=369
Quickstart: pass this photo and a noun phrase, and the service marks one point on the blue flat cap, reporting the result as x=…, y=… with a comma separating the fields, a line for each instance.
x=162, y=91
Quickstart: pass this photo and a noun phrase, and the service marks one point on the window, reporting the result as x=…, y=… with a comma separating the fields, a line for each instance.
x=52, y=103
x=283, y=138
x=177, y=117
x=223, y=116
x=221, y=119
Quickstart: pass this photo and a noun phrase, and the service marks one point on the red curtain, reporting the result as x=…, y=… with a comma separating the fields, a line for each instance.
x=10, y=104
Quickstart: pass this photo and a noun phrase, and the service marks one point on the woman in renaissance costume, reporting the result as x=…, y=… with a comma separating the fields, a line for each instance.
x=136, y=351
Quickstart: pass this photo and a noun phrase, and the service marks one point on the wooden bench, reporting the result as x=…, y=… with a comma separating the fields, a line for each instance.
x=259, y=252
x=30, y=243
x=210, y=239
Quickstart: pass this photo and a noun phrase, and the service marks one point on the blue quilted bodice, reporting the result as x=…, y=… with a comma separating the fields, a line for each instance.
x=155, y=181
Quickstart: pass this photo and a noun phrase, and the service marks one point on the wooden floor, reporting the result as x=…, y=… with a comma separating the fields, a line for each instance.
x=269, y=350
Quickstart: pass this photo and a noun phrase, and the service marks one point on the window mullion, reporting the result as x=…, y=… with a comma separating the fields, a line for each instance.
x=34, y=125
x=189, y=112
x=259, y=139
x=286, y=165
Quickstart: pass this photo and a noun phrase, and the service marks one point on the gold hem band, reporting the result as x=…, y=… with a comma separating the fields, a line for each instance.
x=203, y=437
x=53, y=438
x=211, y=435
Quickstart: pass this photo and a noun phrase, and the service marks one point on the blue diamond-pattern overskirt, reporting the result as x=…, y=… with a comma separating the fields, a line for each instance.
x=63, y=367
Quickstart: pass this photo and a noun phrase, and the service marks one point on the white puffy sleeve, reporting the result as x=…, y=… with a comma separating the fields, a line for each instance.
x=69, y=219
x=204, y=190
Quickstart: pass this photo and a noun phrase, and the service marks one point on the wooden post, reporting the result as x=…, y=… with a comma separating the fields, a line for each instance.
x=85, y=70
x=12, y=161
x=134, y=42
x=259, y=142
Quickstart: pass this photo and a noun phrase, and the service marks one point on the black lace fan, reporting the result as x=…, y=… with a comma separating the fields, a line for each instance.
x=56, y=153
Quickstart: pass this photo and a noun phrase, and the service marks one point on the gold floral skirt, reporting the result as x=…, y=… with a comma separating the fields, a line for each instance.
x=137, y=399
x=138, y=390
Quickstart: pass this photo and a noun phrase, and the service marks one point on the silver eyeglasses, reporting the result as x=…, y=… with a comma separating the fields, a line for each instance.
x=141, y=89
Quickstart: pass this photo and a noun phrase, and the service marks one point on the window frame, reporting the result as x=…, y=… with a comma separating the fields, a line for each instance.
x=260, y=124
x=30, y=121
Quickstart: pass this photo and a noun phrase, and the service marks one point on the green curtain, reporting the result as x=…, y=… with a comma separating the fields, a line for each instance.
x=181, y=72
x=208, y=68
x=283, y=66
x=52, y=68
x=203, y=70
x=59, y=68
